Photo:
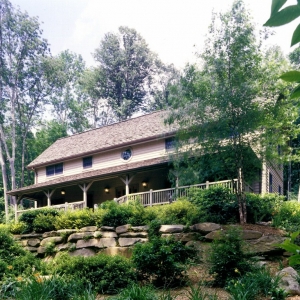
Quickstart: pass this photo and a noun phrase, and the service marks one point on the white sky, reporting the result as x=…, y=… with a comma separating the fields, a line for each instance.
x=174, y=29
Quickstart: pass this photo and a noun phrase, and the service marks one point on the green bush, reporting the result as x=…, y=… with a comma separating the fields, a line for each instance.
x=227, y=258
x=43, y=223
x=262, y=207
x=107, y=274
x=162, y=261
x=216, y=204
x=29, y=216
x=136, y=292
x=287, y=216
x=18, y=227
x=75, y=219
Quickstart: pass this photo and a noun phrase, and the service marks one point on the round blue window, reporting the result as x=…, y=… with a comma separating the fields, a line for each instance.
x=126, y=154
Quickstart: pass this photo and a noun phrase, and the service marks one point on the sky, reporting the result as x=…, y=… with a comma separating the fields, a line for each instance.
x=174, y=29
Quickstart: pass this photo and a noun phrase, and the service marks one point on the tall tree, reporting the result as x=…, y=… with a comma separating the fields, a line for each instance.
x=21, y=52
x=126, y=71
x=219, y=107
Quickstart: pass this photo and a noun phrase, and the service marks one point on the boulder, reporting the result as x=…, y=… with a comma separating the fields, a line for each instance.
x=54, y=239
x=49, y=234
x=88, y=228
x=80, y=235
x=140, y=228
x=31, y=249
x=171, y=228
x=33, y=242
x=31, y=236
x=107, y=228
x=123, y=251
x=205, y=228
x=41, y=250
x=214, y=235
x=266, y=245
x=96, y=243
x=126, y=242
x=183, y=237
x=141, y=234
x=83, y=252
x=123, y=228
x=66, y=246
x=105, y=234
x=288, y=281
x=251, y=235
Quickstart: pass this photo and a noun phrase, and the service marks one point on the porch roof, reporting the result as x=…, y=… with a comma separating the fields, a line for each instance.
x=120, y=134
x=88, y=176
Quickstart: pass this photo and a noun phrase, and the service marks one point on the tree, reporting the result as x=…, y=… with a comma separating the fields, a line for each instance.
x=126, y=71
x=219, y=107
x=21, y=52
x=68, y=104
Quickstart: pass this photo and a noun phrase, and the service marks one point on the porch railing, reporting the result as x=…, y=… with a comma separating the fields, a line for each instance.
x=65, y=206
x=165, y=196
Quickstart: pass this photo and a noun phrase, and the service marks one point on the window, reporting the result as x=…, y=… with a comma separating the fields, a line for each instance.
x=54, y=169
x=126, y=154
x=270, y=183
x=170, y=143
x=87, y=162
x=279, y=189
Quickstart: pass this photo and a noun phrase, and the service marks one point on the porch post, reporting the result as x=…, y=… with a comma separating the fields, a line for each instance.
x=49, y=195
x=127, y=181
x=85, y=187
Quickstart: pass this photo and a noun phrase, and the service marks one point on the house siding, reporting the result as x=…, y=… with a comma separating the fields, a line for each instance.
x=109, y=159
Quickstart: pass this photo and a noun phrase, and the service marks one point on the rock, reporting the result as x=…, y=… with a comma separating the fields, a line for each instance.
x=50, y=234
x=205, y=228
x=140, y=228
x=126, y=242
x=105, y=234
x=183, y=237
x=123, y=251
x=33, y=242
x=31, y=249
x=123, y=228
x=171, y=228
x=107, y=228
x=54, y=239
x=41, y=250
x=89, y=228
x=82, y=252
x=66, y=231
x=31, y=236
x=267, y=244
x=23, y=243
x=141, y=234
x=288, y=281
x=79, y=236
x=214, y=235
x=96, y=243
x=251, y=235
x=66, y=246
x=48, y=259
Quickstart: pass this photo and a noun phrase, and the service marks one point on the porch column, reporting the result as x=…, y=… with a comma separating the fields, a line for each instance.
x=264, y=187
x=85, y=187
x=18, y=198
x=127, y=181
x=49, y=195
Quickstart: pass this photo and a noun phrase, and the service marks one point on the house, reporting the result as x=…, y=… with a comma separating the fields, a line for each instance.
x=112, y=161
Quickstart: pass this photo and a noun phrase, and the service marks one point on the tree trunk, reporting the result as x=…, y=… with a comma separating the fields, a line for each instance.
x=4, y=179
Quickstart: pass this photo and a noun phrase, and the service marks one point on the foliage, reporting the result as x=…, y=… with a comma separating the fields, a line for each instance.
x=74, y=219
x=29, y=216
x=44, y=222
x=136, y=292
x=216, y=204
x=36, y=287
x=287, y=215
x=254, y=285
x=263, y=207
x=162, y=261
x=107, y=274
x=227, y=258
x=198, y=293
x=18, y=227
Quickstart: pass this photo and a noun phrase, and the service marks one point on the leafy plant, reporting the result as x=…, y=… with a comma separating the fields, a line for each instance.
x=197, y=293
x=18, y=227
x=162, y=261
x=43, y=223
x=136, y=292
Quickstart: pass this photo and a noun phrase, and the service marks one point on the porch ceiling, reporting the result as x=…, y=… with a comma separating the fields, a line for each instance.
x=88, y=176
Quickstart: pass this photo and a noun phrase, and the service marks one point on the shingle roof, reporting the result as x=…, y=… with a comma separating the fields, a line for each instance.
x=116, y=135
x=89, y=176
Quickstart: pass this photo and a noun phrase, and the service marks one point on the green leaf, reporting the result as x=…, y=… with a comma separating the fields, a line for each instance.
x=276, y=5
x=294, y=260
x=296, y=93
x=291, y=76
x=296, y=36
x=294, y=235
x=284, y=16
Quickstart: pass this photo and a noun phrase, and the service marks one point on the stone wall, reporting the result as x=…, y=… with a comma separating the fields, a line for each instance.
x=91, y=240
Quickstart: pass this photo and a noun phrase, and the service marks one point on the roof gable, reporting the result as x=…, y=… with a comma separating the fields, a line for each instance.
x=120, y=134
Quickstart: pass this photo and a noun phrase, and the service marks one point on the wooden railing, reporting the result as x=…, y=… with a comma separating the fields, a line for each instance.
x=165, y=196
x=65, y=206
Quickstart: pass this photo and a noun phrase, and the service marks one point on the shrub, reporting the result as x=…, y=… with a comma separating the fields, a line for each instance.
x=139, y=214
x=43, y=223
x=162, y=261
x=75, y=219
x=262, y=207
x=216, y=204
x=18, y=227
x=287, y=216
x=107, y=274
x=29, y=216
x=228, y=260
x=136, y=292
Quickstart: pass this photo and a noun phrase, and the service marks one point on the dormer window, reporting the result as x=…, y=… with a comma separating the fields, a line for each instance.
x=54, y=169
x=87, y=162
x=170, y=143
